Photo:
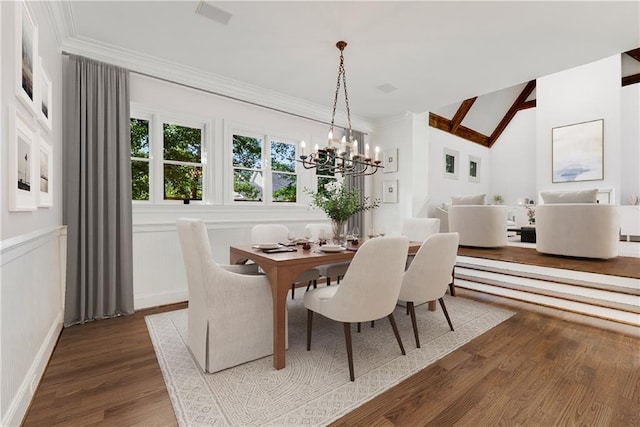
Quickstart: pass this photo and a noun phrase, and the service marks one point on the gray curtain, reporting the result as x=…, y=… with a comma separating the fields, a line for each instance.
x=357, y=182
x=97, y=196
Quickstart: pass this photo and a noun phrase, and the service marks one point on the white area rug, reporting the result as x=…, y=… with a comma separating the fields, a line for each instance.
x=314, y=388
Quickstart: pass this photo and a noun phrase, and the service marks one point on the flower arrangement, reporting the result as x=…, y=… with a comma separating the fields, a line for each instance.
x=531, y=213
x=338, y=202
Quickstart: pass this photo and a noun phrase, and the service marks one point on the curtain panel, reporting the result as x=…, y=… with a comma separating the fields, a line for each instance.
x=357, y=182
x=97, y=197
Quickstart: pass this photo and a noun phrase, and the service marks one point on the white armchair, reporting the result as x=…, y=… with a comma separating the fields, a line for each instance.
x=369, y=290
x=230, y=314
x=479, y=225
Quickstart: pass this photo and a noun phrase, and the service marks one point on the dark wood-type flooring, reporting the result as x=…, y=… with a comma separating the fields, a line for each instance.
x=541, y=367
x=619, y=266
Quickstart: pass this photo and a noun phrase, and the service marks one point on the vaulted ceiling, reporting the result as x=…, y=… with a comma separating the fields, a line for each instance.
x=401, y=56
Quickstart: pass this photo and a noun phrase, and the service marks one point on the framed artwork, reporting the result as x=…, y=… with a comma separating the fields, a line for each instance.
x=390, y=160
x=390, y=191
x=577, y=152
x=474, y=169
x=22, y=165
x=44, y=99
x=27, y=56
x=451, y=163
x=45, y=170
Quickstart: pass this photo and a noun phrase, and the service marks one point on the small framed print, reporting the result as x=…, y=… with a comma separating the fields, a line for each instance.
x=44, y=98
x=390, y=191
x=45, y=171
x=26, y=56
x=451, y=163
x=22, y=164
x=474, y=169
x=390, y=160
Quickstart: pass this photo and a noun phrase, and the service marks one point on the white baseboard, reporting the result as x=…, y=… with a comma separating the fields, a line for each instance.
x=154, y=299
x=20, y=403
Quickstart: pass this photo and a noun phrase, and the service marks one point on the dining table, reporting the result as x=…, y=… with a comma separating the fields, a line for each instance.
x=282, y=268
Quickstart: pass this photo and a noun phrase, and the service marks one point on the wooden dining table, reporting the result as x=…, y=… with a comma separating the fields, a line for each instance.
x=281, y=269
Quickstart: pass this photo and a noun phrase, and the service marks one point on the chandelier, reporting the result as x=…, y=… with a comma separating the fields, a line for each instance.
x=341, y=156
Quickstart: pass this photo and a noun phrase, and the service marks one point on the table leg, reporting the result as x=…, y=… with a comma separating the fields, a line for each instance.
x=432, y=306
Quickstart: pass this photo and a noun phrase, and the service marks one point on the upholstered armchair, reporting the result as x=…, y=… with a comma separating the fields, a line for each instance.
x=230, y=314
x=573, y=224
x=479, y=225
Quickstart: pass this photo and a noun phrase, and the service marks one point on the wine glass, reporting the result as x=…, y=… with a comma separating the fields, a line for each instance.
x=355, y=232
x=372, y=233
x=292, y=236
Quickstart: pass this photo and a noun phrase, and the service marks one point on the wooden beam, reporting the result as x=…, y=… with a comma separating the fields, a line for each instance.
x=463, y=132
x=528, y=104
x=461, y=113
x=635, y=54
x=512, y=112
x=629, y=80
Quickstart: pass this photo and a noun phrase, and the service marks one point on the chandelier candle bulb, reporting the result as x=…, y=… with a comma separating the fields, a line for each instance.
x=315, y=149
x=343, y=144
x=302, y=148
x=377, y=154
x=366, y=152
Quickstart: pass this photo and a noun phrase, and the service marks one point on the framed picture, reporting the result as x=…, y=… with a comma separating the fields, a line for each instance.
x=27, y=56
x=390, y=191
x=450, y=163
x=22, y=164
x=390, y=160
x=44, y=97
x=474, y=169
x=45, y=169
x=577, y=152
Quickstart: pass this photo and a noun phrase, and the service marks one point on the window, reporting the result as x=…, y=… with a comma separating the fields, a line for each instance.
x=325, y=175
x=166, y=159
x=264, y=172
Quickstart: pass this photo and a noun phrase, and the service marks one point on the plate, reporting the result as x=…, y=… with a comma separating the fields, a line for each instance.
x=331, y=248
x=267, y=246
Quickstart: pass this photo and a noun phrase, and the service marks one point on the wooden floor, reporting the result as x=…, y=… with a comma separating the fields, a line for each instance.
x=540, y=367
x=619, y=266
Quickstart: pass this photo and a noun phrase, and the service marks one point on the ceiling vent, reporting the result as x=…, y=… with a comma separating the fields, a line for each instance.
x=214, y=13
x=387, y=88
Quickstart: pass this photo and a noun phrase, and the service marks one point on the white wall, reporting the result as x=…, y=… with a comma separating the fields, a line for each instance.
x=31, y=243
x=442, y=188
x=630, y=144
x=513, y=171
x=581, y=94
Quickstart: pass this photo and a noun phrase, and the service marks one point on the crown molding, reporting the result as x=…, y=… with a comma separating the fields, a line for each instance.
x=69, y=41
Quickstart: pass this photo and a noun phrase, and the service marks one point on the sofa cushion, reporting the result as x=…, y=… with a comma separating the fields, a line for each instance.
x=477, y=199
x=577, y=196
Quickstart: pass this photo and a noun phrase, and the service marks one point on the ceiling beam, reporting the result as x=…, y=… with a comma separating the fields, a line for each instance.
x=463, y=132
x=461, y=113
x=528, y=104
x=635, y=54
x=521, y=99
x=629, y=80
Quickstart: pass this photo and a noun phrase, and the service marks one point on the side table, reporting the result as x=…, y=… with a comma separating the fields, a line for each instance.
x=528, y=234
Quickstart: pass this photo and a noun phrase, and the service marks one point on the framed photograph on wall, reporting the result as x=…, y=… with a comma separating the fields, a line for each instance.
x=577, y=152
x=44, y=98
x=390, y=191
x=474, y=169
x=45, y=170
x=451, y=163
x=26, y=56
x=390, y=160
x=23, y=188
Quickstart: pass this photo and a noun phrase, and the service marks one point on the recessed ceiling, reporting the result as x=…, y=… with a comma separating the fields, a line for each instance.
x=434, y=53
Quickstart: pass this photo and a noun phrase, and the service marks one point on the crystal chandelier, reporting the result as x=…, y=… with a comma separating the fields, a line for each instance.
x=341, y=156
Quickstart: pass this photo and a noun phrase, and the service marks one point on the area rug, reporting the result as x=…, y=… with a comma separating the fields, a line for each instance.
x=314, y=388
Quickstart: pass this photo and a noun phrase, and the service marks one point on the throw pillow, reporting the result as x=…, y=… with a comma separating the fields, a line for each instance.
x=578, y=196
x=477, y=199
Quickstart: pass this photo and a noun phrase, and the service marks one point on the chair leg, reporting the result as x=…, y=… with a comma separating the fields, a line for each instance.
x=373, y=323
x=446, y=314
x=309, y=323
x=359, y=330
x=452, y=289
x=328, y=281
x=338, y=279
x=347, y=339
x=293, y=290
x=315, y=284
x=412, y=312
x=395, y=331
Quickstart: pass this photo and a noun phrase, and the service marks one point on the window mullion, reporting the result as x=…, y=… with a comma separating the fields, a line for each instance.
x=157, y=143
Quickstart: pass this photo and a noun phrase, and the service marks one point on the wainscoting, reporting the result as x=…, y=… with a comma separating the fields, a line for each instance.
x=31, y=315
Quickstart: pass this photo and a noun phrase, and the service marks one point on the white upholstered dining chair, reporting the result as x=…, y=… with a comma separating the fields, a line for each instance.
x=278, y=233
x=328, y=271
x=369, y=290
x=429, y=275
x=230, y=314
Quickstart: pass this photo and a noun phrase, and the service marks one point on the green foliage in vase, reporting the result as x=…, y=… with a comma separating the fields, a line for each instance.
x=338, y=202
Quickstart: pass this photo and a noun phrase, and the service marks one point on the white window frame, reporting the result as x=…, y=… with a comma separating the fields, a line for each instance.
x=156, y=153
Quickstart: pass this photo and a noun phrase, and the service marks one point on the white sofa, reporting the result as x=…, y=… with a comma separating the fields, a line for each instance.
x=589, y=230
x=479, y=225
